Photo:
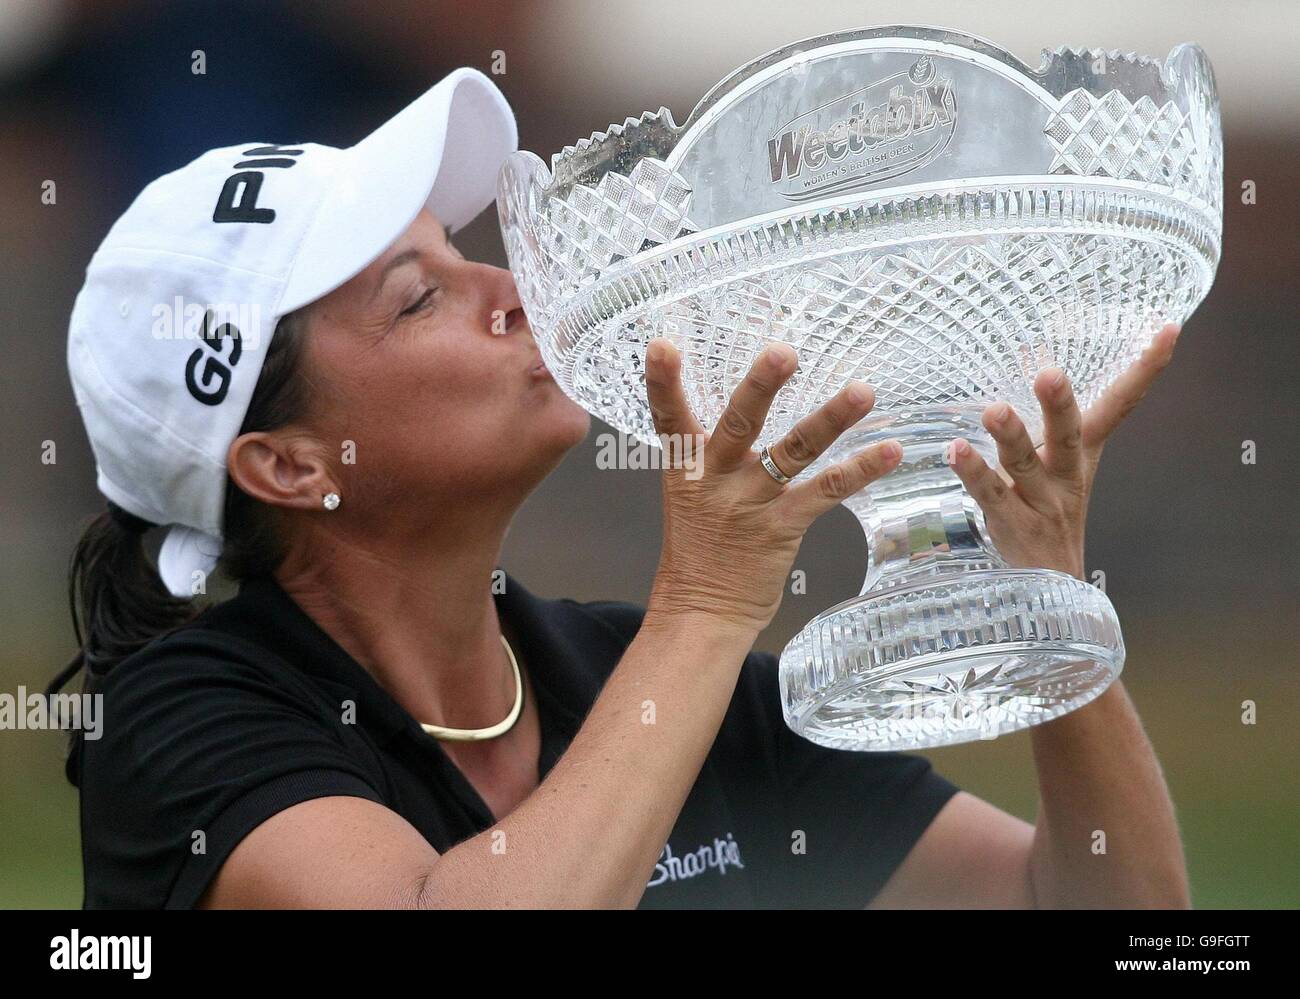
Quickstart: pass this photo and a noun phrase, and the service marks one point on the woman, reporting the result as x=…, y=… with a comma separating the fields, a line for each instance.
x=375, y=720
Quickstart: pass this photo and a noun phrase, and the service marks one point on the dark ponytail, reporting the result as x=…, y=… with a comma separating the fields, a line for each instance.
x=119, y=603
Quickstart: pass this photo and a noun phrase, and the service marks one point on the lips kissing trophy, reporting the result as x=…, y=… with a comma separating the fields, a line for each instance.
x=917, y=209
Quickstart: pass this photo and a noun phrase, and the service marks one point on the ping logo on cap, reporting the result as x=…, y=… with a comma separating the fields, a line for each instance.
x=237, y=202
x=247, y=185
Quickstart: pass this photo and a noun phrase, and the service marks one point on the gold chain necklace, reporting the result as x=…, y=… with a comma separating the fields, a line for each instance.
x=500, y=728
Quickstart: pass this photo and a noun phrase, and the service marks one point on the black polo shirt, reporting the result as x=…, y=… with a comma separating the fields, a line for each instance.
x=214, y=728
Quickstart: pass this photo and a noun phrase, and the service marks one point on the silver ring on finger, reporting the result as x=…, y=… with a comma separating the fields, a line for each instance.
x=769, y=466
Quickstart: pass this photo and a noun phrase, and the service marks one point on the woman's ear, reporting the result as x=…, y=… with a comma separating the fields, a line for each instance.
x=280, y=469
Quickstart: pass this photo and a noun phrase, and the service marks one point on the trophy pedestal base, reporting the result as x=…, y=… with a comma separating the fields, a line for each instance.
x=957, y=657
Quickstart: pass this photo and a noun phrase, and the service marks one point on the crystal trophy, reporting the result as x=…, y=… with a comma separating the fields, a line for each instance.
x=918, y=209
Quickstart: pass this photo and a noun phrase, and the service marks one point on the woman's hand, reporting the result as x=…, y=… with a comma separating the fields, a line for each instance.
x=731, y=530
x=1036, y=504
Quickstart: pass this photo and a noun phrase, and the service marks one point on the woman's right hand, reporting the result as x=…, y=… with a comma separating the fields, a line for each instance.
x=731, y=531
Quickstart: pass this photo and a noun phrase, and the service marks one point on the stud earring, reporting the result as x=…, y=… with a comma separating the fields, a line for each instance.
x=331, y=501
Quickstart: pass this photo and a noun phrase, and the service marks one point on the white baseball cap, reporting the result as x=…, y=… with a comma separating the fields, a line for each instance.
x=169, y=331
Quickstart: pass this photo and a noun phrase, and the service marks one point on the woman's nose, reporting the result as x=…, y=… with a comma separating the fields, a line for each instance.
x=507, y=310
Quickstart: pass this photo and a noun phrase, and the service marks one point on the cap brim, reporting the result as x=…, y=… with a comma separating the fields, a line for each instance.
x=442, y=151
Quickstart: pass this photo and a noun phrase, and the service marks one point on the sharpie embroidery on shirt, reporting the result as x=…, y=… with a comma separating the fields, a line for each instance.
x=722, y=854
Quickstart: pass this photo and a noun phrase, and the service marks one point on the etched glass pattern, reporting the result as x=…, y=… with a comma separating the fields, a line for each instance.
x=945, y=289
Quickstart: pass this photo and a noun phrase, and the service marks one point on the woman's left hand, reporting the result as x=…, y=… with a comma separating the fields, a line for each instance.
x=1036, y=504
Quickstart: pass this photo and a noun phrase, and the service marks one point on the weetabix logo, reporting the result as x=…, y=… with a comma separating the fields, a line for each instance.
x=873, y=134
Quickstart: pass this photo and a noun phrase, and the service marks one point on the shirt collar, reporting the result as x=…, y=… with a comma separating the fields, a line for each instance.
x=547, y=651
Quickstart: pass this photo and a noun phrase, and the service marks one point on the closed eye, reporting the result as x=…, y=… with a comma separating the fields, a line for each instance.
x=419, y=304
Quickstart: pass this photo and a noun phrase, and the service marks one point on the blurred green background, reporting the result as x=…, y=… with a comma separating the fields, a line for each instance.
x=1198, y=549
